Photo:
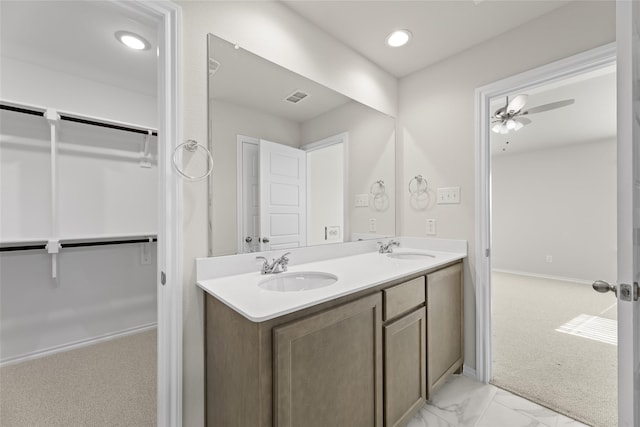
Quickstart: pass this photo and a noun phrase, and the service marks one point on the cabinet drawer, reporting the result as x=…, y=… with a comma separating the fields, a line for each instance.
x=404, y=297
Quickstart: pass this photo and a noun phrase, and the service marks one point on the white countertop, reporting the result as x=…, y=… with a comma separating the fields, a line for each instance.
x=355, y=273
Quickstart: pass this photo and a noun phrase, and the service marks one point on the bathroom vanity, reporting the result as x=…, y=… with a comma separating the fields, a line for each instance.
x=369, y=356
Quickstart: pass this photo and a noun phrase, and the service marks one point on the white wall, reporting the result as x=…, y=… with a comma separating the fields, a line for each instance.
x=101, y=291
x=274, y=32
x=228, y=121
x=325, y=194
x=101, y=188
x=34, y=84
x=437, y=118
x=559, y=202
x=371, y=157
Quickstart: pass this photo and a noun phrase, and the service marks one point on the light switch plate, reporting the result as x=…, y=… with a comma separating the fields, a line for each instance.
x=372, y=225
x=362, y=200
x=448, y=195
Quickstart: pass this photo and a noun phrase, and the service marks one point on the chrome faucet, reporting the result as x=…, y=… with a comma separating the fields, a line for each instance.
x=387, y=248
x=277, y=265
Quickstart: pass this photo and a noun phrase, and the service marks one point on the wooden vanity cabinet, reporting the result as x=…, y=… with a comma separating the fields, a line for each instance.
x=445, y=325
x=404, y=351
x=405, y=367
x=368, y=359
x=320, y=366
x=328, y=367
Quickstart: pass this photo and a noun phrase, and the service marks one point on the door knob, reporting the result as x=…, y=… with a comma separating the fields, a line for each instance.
x=604, y=287
x=265, y=240
x=248, y=239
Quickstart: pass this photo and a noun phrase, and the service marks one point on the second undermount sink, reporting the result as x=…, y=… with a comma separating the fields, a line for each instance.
x=410, y=255
x=298, y=281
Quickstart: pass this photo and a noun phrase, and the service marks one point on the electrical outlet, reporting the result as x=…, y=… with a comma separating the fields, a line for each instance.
x=372, y=224
x=448, y=195
x=333, y=232
x=362, y=200
x=430, y=226
x=549, y=258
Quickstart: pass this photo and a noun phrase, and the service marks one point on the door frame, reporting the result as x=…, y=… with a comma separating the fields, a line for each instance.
x=168, y=18
x=627, y=38
x=240, y=141
x=341, y=138
x=590, y=60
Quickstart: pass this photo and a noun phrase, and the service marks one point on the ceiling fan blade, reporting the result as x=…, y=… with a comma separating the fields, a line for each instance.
x=523, y=120
x=517, y=103
x=551, y=106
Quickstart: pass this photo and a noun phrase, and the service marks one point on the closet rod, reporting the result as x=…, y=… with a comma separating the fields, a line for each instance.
x=77, y=245
x=77, y=120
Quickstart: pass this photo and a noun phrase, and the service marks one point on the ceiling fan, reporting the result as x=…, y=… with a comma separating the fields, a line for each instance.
x=510, y=117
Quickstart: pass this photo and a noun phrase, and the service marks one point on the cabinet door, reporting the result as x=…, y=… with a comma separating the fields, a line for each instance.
x=328, y=367
x=405, y=367
x=444, y=324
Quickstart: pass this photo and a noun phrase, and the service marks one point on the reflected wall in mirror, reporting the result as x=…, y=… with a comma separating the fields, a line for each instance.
x=295, y=163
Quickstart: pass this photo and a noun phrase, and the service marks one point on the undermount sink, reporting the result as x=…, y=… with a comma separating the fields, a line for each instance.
x=300, y=281
x=410, y=255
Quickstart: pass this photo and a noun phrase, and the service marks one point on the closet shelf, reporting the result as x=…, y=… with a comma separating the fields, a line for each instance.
x=78, y=241
x=77, y=118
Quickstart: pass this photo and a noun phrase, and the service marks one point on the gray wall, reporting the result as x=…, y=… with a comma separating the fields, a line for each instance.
x=437, y=118
x=371, y=158
x=559, y=202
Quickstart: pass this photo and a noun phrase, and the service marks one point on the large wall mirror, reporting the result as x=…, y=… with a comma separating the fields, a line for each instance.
x=295, y=163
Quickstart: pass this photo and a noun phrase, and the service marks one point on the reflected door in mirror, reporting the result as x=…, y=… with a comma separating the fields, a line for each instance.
x=283, y=195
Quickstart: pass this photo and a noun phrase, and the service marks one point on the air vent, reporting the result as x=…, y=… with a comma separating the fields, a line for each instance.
x=296, y=96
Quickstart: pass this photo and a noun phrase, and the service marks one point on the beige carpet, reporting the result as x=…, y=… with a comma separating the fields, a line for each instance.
x=571, y=374
x=108, y=384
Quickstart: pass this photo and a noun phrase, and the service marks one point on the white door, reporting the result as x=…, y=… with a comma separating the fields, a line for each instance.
x=628, y=39
x=250, y=198
x=282, y=196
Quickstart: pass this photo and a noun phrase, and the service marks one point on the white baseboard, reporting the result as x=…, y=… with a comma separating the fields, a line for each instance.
x=469, y=372
x=542, y=276
x=76, y=344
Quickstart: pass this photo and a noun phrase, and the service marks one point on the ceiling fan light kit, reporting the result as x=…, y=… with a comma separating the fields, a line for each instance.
x=509, y=125
x=510, y=118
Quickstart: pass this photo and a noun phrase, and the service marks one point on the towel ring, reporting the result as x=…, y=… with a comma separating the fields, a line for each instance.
x=381, y=190
x=419, y=180
x=191, y=146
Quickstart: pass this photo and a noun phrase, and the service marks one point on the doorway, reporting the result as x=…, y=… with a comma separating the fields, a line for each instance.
x=167, y=277
x=553, y=228
x=290, y=197
x=501, y=257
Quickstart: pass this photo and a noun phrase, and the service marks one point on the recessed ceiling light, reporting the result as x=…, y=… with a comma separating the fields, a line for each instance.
x=399, y=38
x=132, y=41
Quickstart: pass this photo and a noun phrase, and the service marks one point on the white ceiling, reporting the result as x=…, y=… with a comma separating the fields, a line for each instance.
x=591, y=118
x=78, y=37
x=241, y=76
x=440, y=28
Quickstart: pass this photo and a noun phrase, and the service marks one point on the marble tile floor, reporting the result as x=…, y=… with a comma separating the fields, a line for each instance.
x=463, y=401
